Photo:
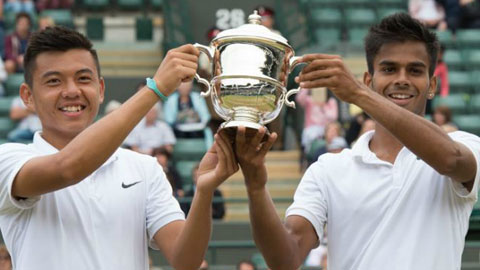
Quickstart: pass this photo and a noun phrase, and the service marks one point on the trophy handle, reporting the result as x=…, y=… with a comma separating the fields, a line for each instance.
x=206, y=50
x=293, y=62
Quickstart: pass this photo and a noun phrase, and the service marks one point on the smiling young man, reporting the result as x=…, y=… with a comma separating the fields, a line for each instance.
x=86, y=203
x=402, y=197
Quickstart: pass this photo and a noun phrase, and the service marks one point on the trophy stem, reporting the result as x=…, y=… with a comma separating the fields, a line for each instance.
x=247, y=115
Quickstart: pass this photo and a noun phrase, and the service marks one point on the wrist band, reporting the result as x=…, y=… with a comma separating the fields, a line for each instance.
x=153, y=86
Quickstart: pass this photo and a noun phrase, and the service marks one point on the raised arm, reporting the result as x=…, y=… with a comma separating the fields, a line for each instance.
x=93, y=146
x=185, y=243
x=284, y=246
x=428, y=141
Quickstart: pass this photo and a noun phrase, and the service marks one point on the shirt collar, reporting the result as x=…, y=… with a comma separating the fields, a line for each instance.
x=46, y=148
x=361, y=149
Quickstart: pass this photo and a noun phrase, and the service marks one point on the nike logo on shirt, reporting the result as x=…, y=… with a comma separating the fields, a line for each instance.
x=130, y=185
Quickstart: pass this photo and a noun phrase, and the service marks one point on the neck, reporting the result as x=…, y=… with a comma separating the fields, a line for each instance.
x=385, y=146
x=56, y=140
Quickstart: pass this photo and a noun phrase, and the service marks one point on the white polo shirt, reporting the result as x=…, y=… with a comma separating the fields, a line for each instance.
x=148, y=137
x=104, y=222
x=387, y=216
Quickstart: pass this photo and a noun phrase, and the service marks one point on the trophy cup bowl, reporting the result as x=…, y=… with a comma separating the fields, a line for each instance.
x=250, y=67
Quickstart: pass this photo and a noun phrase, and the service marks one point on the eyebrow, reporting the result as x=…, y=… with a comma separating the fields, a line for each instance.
x=83, y=70
x=392, y=63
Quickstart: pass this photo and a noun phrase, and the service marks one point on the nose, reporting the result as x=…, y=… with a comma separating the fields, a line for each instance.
x=71, y=90
x=402, y=79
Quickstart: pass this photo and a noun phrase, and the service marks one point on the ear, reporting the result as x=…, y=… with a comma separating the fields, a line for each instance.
x=367, y=78
x=432, y=89
x=102, y=90
x=26, y=94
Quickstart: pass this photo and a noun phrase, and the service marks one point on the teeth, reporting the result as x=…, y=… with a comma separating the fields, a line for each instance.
x=400, y=96
x=72, y=108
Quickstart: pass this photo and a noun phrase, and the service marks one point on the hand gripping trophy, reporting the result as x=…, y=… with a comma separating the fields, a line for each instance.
x=250, y=69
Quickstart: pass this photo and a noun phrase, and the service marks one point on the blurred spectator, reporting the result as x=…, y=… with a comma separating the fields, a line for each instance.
x=246, y=265
x=5, y=260
x=332, y=130
x=151, y=133
x=461, y=13
x=163, y=158
x=355, y=127
x=204, y=265
x=442, y=116
x=218, y=208
x=441, y=71
x=53, y=4
x=16, y=43
x=187, y=112
x=429, y=13
x=337, y=145
x=44, y=22
x=3, y=77
x=319, y=111
x=111, y=106
x=268, y=17
x=17, y=6
x=29, y=122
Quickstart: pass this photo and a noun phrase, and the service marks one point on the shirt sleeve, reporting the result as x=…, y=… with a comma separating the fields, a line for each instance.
x=12, y=158
x=162, y=208
x=309, y=200
x=472, y=142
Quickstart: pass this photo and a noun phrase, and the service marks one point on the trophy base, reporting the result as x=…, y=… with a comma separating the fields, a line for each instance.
x=230, y=128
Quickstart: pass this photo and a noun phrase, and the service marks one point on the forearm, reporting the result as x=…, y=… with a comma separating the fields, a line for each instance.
x=271, y=237
x=192, y=243
x=425, y=139
x=91, y=148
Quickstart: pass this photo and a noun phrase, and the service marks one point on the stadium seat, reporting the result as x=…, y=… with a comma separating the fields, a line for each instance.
x=456, y=102
x=468, y=37
x=184, y=168
x=392, y=3
x=469, y=123
x=472, y=59
x=322, y=3
x=326, y=16
x=6, y=125
x=356, y=36
x=144, y=28
x=460, y=82
x=360, y=17
x=384, y=12
x=453, y=59
x=156, y=4
x=446, y=38
x=12, y=85
x=475, y=104
x=96, y=4
x=60, y=17
x=95, y=28
x=259, y=261
x=327, y=36
x=314, y=148
x=5, y=104
x=131, y=5
x=189, y=149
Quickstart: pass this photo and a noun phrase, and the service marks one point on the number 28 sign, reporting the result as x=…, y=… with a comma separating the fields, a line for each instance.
x=229, y=18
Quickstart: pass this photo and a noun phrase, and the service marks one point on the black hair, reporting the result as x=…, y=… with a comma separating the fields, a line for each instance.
x=400, y=27
x=55, y=39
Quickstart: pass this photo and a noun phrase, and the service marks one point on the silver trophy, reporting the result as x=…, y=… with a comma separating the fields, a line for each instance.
x=250, y=66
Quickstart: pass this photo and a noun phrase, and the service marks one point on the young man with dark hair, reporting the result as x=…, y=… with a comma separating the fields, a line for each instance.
x=74, y=193
x=402, y=196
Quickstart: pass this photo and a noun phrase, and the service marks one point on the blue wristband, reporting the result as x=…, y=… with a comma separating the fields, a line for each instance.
x=153, y=86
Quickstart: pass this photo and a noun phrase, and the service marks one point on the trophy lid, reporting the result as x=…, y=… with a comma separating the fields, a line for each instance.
x=252, y=29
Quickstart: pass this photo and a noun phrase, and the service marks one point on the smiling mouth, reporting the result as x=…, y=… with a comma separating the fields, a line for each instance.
x=400, y=96
x=72, y=109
